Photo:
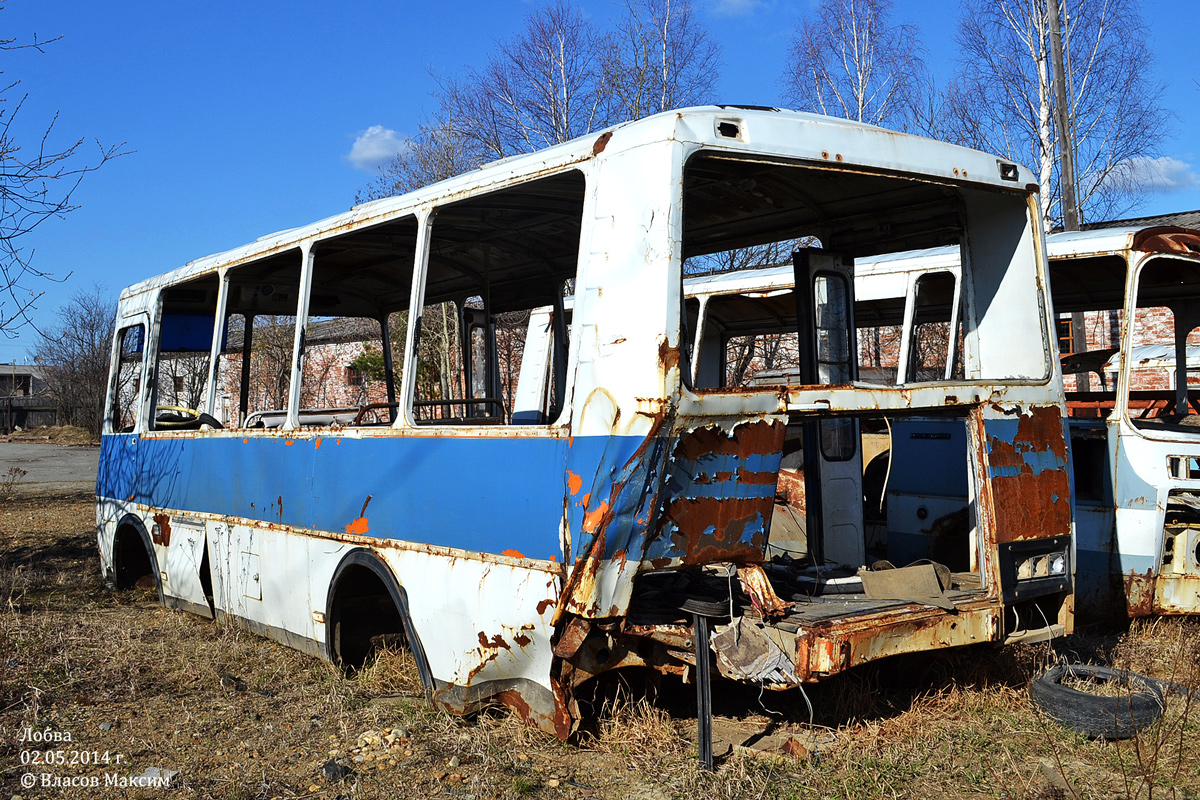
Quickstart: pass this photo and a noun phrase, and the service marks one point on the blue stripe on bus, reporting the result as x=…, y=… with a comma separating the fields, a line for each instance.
x=474, y=493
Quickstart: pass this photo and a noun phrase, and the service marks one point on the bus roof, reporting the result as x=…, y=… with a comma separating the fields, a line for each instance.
x=733, y=129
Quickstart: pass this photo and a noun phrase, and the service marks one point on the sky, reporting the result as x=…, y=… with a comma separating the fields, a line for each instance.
x=244, y=118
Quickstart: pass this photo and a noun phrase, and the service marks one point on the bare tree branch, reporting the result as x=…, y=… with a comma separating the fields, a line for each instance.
x=658, y=58
x=74, y=354
x=562, y=77
x=848, y=61
x=36, y=184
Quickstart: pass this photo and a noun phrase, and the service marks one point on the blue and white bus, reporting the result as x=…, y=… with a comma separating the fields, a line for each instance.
x=487, y=416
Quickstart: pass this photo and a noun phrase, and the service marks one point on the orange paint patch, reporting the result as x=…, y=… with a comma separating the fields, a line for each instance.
x=318, y=447
x=583, y=501
x=591, y=520
x=512, y=553
x=289, y=442
x=246, y=441
x=574, y=482
x=359, y=526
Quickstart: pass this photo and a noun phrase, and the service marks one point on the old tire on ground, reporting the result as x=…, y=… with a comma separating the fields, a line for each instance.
x=1139, y=704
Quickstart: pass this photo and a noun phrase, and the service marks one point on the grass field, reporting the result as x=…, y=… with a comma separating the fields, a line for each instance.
x=239, y=716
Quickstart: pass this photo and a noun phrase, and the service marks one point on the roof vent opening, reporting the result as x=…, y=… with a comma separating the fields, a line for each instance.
x=728, y=129
x=1008, y=172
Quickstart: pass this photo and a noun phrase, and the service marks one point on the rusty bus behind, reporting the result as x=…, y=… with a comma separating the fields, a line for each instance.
x=1127, y=301
x=390, y=423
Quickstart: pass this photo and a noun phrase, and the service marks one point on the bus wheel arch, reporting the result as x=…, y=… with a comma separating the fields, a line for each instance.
x=363, y=582
x=133, y=556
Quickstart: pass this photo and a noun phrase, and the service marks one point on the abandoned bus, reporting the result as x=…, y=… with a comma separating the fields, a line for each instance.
x=1128, y=307
x=392, y=422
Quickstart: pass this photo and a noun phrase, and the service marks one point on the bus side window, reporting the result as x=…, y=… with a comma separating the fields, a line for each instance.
x=494, y=261
x=932, y=345
x=229, y=371
x=184, y=346
x=356, y=326
x=260, y=335
x=126, y=384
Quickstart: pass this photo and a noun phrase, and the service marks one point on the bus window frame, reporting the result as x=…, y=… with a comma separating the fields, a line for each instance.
x=426, y=224
x=124, y=323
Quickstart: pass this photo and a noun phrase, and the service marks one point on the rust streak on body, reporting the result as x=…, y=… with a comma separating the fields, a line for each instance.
x=1139, y=593
x=163, y=537
x=495, y=642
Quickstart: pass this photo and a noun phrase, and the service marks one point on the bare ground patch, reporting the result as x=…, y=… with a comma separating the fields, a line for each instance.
x=239, y=716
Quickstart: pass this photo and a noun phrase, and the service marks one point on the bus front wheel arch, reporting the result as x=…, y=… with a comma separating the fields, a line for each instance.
x=367, y=607
x=133, y=558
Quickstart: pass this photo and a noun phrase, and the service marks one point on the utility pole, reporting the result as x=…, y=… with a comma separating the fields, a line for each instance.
x=1066, y=169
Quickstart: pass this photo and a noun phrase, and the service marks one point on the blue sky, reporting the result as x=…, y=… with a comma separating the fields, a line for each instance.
x=242, y=116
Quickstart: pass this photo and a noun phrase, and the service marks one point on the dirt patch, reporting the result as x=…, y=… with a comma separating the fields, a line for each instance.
x=136, y=686
x=55, y=434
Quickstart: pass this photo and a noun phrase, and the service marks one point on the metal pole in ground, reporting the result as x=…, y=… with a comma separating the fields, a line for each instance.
x=703, y=690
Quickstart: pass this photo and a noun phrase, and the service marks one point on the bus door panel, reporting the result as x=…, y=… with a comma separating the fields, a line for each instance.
x=928, y=493
x=240, y=590
x=832, y=456
x=186, y=547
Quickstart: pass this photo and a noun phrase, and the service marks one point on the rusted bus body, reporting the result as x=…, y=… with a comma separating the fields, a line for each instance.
x=1128, y=300
x=980, y=475
x=553, y=489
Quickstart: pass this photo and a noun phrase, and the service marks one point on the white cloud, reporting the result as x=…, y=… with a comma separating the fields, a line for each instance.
x=375, y=147
x=1145, y=175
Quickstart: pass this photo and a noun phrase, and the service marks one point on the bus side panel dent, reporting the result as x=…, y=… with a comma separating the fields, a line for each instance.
x=609, y=524
x=488, y=645
x=1027, y=459
x=714, y=504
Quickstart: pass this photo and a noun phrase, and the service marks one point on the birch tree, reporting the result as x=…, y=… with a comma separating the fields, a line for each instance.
x=539, y=89
x=849, y=60
x=1002, y=100
x=657, y=58
x=563, y=76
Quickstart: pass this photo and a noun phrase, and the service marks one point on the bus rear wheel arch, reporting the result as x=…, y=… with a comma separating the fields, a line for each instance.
x=367, y=608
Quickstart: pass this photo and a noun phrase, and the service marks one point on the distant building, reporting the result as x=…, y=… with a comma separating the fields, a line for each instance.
x=25, y=401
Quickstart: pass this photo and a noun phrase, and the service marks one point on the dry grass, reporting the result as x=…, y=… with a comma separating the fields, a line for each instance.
x=637, y=732
x=1099, y=688
x=74, y=656
x=392, y=672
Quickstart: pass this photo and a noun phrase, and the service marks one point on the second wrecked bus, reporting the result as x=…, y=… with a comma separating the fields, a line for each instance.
x=1126, y=300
